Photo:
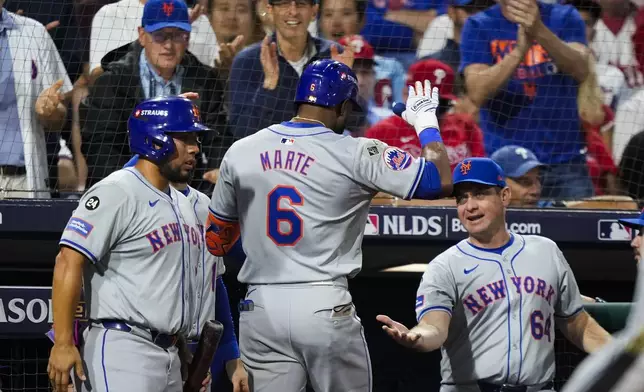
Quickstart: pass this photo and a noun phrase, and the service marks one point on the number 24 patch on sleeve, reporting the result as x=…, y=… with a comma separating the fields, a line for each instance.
x=79, y=226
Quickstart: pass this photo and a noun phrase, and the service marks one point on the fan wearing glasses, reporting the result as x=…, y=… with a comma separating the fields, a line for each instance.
x=157, y=64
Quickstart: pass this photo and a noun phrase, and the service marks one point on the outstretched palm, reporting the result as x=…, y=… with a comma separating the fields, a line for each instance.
x=398, y=332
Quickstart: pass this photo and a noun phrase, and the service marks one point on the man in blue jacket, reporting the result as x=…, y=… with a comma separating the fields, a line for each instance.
x=264, y=76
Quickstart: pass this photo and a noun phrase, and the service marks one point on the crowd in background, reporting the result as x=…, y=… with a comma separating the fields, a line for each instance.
x=554, y=92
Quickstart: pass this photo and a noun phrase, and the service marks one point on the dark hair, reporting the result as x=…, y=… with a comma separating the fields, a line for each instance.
x=361, y=8
x=589, y=6
x=475, y=6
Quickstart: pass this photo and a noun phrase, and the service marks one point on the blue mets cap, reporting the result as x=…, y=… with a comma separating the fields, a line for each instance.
x=460, y=3
x=515, y=161
x=635, y=223
x=159, y=14
x=479, y=170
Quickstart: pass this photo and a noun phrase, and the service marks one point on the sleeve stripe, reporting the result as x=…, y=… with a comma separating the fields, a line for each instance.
x=419, y=175
x=222, y=217
x=577, y=311
x=431, y=308
x=79, y=248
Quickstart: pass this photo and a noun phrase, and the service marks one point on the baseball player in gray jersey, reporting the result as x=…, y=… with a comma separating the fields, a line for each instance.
x=211, y=296
x=619, y=366
x=298, y=193
x=491, y=301
x=142, y=239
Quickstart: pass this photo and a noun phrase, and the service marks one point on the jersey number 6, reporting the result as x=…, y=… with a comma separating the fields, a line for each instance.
x=277, y=216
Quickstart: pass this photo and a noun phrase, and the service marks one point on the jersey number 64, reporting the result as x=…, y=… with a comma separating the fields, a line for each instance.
x=538, y=326
x=277, y=217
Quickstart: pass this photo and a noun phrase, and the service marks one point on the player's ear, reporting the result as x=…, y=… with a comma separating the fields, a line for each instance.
x=141, y=36
x=506, y=196
x=345, y=109
x=316, y=9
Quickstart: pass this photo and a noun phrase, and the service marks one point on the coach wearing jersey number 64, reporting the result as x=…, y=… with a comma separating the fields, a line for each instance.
x=491, y=301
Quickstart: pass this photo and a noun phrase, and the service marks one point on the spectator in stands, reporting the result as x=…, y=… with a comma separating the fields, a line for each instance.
x=231, y=19
x=265, y=17
x=597, y=123
x=523, y=176
x=394, y=27
x=450, y=54
x=116, y=24
x=619, y=41
x=367, y=70
x=461, y=135
x=156, y=65
x=631, y=168
x=601, y=167
x=59, y=18
x=36, y=88
x=263, y=79
x=236, y=26
x=341, y=18
x=71, y=165
x=523, y=61
x=613, y=41
x=610, y=78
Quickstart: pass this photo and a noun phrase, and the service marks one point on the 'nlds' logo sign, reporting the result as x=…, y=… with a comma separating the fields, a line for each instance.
x=373, y=225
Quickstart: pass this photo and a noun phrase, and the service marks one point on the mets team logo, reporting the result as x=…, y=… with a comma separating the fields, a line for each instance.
x=397, y=159
x=196, y=112
x=168, y=9
x=466, y=167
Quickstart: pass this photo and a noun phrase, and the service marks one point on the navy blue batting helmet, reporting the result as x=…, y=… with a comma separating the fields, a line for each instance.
x=327, y=83
x=153, y=119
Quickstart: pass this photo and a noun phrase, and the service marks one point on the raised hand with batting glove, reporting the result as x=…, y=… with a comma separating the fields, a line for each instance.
x=420, y=110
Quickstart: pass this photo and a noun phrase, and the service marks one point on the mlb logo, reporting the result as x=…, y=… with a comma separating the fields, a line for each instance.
x=373, y=225
x=612, y=230
x=287, y=141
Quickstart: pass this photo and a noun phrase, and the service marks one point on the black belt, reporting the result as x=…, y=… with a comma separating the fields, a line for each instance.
x=9, y=170
x=487, y=387
x=163, y=340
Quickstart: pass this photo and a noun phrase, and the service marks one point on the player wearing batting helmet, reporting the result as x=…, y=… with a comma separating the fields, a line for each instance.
x=211, y=301
x=490, y=302
x=133, y=241
x=619, y=366
x=298, y=194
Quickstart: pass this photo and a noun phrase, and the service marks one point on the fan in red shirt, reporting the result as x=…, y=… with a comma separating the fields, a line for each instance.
x=461, y=135
x=601, y=167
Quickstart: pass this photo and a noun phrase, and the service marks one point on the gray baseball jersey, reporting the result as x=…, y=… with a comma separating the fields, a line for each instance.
x=301, y=194
x=208, y=268
x=503, y=309
x=141, y=243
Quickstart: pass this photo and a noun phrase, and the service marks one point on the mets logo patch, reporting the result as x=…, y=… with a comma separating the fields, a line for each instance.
x=396, y=159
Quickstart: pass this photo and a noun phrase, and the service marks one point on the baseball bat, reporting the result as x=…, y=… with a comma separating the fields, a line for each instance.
x=201, y=361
